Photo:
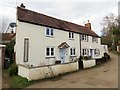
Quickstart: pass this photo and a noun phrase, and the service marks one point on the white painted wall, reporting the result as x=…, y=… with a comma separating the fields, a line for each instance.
x=38, y=43
x=92, y=45
x=46, y=71
x=88, y=63
x=104, y=49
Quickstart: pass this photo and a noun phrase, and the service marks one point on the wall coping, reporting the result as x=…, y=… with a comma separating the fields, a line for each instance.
x=44, y=65
x=2, y=45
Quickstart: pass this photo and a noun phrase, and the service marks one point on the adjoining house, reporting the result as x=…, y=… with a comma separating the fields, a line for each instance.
x=7, y=37
x=43, y=40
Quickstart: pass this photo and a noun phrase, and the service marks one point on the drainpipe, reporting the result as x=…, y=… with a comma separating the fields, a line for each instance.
x=80, y=43
x=79, y=62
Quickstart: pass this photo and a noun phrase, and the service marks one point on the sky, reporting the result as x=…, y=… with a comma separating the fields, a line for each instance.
x=76, y=11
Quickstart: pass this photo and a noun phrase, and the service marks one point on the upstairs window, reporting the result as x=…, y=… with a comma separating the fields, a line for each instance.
x=71, y=35
x=84, y=38
x=97, y=52
x=95, y=39
x=49, y=32
x=50, y=52
x=72, y=51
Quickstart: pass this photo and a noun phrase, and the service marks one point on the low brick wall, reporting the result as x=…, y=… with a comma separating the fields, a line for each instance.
x=35, y=73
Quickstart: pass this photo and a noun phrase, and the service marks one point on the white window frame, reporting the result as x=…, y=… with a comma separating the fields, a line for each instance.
x=95, y=39
x=51, y=32
x=71, y=35
x=72, y=51
x=86, y=52
x=96, y=52
x=50, y=52
x=84, y=37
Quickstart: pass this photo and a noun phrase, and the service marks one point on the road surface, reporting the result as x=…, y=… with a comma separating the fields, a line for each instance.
x=103, y=76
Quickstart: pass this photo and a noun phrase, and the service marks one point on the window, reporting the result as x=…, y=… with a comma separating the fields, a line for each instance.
x=97, y=52
x=50, y=52
x=71, y=35
x=26, y=49
x=72, y=51
x=49, y=32
x=85, y=52
x=94, y=39
x=84, y=38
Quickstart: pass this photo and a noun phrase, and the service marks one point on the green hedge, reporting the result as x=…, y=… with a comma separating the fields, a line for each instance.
x=13, y=70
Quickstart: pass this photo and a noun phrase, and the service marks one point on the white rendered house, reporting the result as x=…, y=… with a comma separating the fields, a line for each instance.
x=44, y=40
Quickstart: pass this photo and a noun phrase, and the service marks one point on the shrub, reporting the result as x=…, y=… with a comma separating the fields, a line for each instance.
x=13, y=70
x=86, y=57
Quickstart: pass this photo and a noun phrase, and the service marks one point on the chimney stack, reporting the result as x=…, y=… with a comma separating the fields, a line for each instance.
x=88, y=25
x=22, y=5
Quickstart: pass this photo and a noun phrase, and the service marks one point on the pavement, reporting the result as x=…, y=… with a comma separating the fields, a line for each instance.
x=103, y=76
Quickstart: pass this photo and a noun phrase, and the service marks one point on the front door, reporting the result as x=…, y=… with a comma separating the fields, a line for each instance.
x=91, y=52
x=62, y=55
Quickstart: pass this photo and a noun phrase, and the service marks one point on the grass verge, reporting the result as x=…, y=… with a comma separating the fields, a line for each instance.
x=115, y=52
x=20, y=82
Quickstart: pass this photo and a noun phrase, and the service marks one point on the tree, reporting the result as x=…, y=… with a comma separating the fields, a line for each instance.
x=9, y=50
x=110, y=31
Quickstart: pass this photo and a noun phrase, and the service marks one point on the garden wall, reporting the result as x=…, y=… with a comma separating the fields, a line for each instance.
x=88, y=63
x=34, y=73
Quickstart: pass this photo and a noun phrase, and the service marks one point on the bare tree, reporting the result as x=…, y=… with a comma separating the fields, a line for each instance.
x=108, y=23
x=110, y=29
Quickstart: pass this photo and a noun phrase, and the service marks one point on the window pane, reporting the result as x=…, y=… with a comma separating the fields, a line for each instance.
x=47, y=51
x=47, y=31
x=52, y=51
x=71, y=51
x=74, y=51
x=83, y=52
x=51, y=32
x=69, y=35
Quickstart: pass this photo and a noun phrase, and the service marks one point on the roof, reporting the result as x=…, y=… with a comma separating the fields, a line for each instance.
x=29, y=16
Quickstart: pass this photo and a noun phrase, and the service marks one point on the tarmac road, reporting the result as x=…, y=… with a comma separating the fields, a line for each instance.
x=103, y=76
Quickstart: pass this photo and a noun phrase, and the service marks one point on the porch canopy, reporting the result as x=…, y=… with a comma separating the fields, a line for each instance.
x=63, y=45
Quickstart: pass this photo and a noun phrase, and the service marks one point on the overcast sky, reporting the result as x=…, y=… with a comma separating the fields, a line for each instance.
x=76, y=11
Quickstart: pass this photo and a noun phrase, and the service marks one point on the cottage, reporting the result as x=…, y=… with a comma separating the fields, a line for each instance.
x=43, y=40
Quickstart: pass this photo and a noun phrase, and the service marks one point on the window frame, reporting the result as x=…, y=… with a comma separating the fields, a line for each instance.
x=71, y=36
x=73, y=51
x=49, y=32
x=84, y=38
x=95, y=39
x=96, y=52
x=85, y=52
x=51, y=52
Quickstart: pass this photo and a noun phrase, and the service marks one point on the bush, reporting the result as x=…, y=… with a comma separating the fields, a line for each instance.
x=86, y=57
x=13, y=70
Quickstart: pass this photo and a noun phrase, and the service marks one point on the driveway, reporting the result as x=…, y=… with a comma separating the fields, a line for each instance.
x=103, y=76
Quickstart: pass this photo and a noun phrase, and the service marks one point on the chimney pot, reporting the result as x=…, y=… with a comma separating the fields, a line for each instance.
x=88, y=25
x=22, y=5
